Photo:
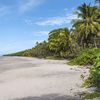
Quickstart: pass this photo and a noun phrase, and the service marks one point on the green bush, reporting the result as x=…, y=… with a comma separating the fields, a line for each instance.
x=41, y=50
x=94, y=76
x=85, y=57
x=91, y=96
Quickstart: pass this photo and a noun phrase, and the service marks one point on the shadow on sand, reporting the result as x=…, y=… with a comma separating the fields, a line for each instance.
x=51, y=97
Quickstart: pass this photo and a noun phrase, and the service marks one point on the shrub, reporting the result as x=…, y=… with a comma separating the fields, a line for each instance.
x=94, y=76
x=91, y=96
x=85, y=57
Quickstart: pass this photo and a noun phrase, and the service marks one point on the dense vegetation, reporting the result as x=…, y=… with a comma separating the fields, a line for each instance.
x=79, y=44
x=86, y=57
x=95, y=73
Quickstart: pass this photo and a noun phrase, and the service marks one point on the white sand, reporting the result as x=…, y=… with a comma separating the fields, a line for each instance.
x=22, y=77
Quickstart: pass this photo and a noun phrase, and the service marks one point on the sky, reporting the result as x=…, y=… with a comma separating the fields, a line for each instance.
x=24, y=22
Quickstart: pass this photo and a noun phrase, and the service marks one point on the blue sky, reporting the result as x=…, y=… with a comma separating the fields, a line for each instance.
x=24, y=22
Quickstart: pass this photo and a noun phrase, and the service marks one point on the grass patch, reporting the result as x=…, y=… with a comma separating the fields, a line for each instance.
x=91, y=95
x=54, y=58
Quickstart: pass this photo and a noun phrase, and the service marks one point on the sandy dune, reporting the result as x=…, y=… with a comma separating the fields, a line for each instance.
x=37, y=79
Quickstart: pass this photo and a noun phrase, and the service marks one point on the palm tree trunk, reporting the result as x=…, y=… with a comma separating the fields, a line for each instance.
x=95, y=43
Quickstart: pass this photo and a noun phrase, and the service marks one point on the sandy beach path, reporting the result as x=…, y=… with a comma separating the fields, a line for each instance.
x=38, y=79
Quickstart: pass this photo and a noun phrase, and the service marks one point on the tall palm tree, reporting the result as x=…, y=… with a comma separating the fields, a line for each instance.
x=87, y=25
x=59, y=40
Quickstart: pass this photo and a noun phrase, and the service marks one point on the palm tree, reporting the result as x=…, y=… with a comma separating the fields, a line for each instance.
x=87, y=25
x=59, y=40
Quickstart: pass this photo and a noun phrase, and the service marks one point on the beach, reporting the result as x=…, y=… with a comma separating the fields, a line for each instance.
x=24, y=78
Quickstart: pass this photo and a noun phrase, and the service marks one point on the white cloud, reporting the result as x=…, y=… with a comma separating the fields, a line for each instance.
x=52, y=21
x=4, y=10
x=41, y=33
x=59, y=20
x=66, y=9
x=26, y=5
x=29, y=22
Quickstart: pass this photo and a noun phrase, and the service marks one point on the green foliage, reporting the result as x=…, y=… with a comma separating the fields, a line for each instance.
x=41, y=50
x=91, y=95
x=59, y=41
x=94, y=76
x=84, y=27
x=26, y=53
x=85, y=57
